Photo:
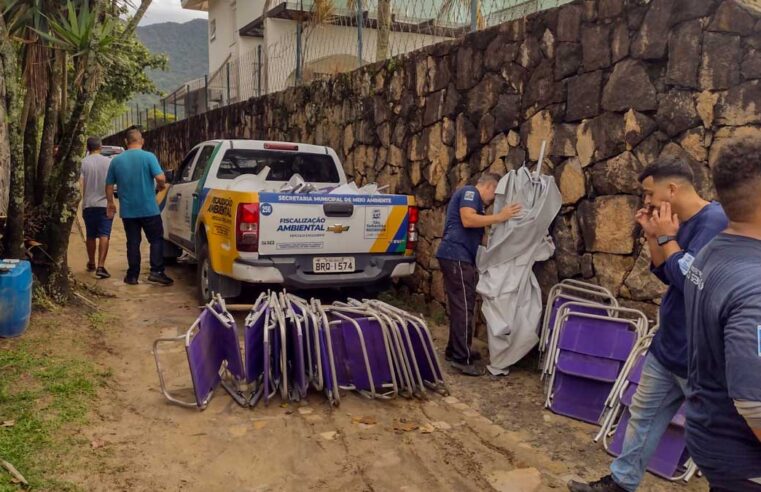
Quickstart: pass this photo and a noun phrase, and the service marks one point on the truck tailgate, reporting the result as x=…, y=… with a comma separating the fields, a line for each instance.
x=324, y=224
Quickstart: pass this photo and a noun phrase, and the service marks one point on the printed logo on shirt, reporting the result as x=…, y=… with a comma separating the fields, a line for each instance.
x=470, y=196
x=685, y=263
x=696, y=277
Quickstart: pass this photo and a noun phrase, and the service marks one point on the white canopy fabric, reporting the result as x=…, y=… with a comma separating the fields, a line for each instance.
x=512, y=298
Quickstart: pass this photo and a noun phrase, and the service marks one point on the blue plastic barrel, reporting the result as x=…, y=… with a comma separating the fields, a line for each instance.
x=15, y=297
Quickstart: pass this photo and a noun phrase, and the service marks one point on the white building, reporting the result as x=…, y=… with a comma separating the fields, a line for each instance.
x=240, y=35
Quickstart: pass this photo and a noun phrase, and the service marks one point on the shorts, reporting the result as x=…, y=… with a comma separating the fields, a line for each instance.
x=97, y=222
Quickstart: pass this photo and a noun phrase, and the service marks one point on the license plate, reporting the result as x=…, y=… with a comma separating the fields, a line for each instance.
x=334, y=265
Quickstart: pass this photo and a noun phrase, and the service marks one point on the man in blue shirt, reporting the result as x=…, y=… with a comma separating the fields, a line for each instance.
x=677, y=224
x=723, y=301
x=463, y=233
x=135, y=172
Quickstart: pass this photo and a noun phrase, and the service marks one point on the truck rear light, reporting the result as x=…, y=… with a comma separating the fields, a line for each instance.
x=281, y=146
x=412, y=234
x=247, y=227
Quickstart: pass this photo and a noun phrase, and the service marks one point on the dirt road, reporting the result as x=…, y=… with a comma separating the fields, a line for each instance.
x=145, y=443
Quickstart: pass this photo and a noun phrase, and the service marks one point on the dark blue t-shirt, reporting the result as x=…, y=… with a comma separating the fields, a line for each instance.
x=461, y=243
x=723, y=301
x=670, y=343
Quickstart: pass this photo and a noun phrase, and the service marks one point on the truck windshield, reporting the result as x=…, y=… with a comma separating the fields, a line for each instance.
x=314, y=168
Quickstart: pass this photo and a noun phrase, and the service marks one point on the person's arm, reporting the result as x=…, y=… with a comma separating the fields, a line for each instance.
x=677, y=258
x=657, y=256
x=110, y=182
x=472, y=220
x=742, y=358
x=158, y=174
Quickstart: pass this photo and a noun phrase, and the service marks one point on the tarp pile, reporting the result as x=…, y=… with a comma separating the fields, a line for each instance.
x=512, y=297
x=291, y=345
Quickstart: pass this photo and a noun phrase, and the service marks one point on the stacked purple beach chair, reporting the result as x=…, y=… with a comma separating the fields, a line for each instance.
x=671, y=459
x=593, y=352
x=291, y=345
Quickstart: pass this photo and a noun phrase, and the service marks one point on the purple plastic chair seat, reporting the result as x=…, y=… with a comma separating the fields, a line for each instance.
x=253, y=337
x=425, y=354
x=579, y=398
x=210, y=347
x=587, y=366
x=607, y=339
x=296, y=357
x=669, y=457
x=330, y=378
x=560, y=301
x=351, y=365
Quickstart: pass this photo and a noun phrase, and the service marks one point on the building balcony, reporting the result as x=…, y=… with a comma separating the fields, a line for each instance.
x=202, y=5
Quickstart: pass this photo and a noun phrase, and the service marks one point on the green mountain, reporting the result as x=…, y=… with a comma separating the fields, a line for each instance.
x=186, y=47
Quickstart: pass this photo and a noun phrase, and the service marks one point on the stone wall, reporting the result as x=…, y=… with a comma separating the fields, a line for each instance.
x=610, y=84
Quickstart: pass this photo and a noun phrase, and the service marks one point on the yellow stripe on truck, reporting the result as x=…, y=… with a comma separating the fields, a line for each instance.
x=217, y=216
x=393, y=223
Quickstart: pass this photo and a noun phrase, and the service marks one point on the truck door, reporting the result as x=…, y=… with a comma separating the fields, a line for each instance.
x=190, y=201
x=173, y=211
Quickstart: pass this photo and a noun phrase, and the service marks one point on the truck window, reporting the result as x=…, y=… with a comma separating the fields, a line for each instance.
x=203, y=162
x=314, y=168
x=186, y=166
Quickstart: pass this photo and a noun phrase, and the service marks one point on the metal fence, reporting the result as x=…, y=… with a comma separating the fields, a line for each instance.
x=312, y=39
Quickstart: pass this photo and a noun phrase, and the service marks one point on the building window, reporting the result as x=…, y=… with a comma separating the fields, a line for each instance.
x=212, y=29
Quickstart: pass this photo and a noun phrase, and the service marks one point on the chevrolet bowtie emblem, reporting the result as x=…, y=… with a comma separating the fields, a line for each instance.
x=338, y=228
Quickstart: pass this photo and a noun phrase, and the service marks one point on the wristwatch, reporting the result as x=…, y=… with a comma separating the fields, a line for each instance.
x=663, y=240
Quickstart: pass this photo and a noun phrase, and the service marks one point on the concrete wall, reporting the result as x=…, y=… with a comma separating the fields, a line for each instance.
x=611, y=84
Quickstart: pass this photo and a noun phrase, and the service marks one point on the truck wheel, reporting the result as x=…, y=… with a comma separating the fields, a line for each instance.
x=205, y=274
x=171, y=253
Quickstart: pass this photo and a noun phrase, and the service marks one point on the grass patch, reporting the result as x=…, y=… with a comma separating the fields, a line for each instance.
x=41, y=394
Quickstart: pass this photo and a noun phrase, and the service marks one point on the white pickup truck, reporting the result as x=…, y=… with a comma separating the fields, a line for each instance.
x=227, y=207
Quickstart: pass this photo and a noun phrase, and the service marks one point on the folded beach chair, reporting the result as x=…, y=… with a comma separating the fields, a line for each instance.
x=587, y=353
x=418, y=346
x=361, y=352
x=213, y=354
x=594, y=298
x=671, y=459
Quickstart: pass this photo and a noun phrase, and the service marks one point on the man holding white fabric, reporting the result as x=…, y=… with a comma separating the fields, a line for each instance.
x=463, y=234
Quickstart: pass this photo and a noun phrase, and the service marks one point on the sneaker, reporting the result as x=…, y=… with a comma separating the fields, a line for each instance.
x=474, y=356
x=467, y=369
x=605, y=484
x=91, y=267
x=101, y=272
x=130, y=281
x=160, y=278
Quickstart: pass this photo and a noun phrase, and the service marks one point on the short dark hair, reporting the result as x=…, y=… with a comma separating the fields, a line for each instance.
x=668, y=168
x=737, y=177
x=487, y=178
x=93, y=144
x=133, y=134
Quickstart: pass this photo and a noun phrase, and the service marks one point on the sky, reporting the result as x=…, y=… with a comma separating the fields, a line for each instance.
x=169, y=11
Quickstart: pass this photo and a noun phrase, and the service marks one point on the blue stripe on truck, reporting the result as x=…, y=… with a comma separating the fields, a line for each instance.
x=300, y=198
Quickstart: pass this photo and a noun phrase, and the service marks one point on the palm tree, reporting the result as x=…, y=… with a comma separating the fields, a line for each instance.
x=384, y=29
x=455, y=8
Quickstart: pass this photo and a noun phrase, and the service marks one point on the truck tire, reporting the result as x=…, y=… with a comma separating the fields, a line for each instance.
x=209, y=282
x=204, y=273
